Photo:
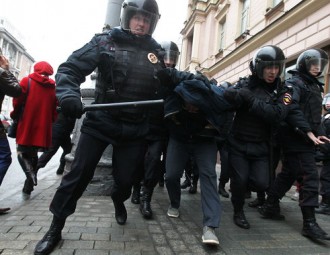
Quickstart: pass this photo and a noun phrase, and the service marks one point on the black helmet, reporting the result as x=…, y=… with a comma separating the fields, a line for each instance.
x=172, y=53
x=312, y=57
x=269, y=55
x=148, y=8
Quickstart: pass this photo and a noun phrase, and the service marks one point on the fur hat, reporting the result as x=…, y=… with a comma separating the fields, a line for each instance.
x=43, y=68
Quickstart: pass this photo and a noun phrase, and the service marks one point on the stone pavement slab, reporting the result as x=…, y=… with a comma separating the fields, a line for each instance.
x=93, y=230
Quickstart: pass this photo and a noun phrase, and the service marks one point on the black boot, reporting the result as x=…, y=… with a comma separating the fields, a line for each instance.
x=324, y=207
x=28, y=187
x=259, y=201
x=47, y=244
x=145, y=207
x=310, y=228
x=240, y=220
x=271, y=209
x=120, y=212
x=27, y=166
x=222, y=190
x=60, y=169
x=186, y=183
x=135, y=198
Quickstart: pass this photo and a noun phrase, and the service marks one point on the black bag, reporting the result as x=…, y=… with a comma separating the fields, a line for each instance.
x=12, y=129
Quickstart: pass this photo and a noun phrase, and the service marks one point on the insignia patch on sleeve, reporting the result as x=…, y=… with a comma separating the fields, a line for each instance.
x=287, y=99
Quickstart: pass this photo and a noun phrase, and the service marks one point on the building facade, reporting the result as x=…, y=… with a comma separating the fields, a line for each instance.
x=220, y=37
x=21, y=62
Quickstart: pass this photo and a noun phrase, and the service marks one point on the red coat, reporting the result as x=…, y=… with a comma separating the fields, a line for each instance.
x=35, y=125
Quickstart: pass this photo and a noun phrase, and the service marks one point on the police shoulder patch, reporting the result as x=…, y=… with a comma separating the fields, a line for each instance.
x=287, y=99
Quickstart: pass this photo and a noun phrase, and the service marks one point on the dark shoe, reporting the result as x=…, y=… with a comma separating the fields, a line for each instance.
x=120, y=212
x=193, y=189
x=323, y=209
x=313, y=231
x=186, y=184
x=145, y=206
x=135, y=199
x=4, y=210
x=240, y=220
x=257, y=202
x=223, y=192
x=28, y=187
x=271, y=210
x=47, y=244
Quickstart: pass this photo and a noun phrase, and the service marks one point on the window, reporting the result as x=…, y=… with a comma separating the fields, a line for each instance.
x=222, y=31
x=245, y=15
x=276, y=2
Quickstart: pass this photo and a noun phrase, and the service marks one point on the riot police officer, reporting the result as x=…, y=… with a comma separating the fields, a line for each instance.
x=298, y=136
x=265, y=104
x=127, y=59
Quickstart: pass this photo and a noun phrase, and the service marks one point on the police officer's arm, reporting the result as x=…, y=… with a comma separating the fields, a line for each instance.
x=72, y=73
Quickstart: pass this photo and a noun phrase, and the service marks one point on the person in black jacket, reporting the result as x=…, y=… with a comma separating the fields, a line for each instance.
x=61, y=137
x=299, y=135
x=8, y=86
x=251, y=136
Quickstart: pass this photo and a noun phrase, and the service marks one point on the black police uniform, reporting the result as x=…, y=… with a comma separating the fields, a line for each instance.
x=125, y=73
x=298, y=150
x=250, y=138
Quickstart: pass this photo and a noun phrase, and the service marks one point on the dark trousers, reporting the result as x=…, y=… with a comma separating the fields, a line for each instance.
x=325, y=179
x=224, y=163
x=45, y=157
x=249, y=170
x=205, y=154
x=300, y=167
x=5, y=157
x=125, y=159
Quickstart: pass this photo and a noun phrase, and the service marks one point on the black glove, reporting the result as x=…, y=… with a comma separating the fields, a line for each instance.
x=164, y=76
x=232, y=96
x=246, y=95
x=72, y=107
x=204, y=79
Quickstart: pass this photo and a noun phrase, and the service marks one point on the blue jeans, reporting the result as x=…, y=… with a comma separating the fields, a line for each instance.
x=204, y=152
x=5, y=157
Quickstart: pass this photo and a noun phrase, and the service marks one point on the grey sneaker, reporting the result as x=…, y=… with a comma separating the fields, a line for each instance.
x=209, y=236
x=173, y=212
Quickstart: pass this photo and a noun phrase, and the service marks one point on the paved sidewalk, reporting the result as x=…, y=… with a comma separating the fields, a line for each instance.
x=93, y=230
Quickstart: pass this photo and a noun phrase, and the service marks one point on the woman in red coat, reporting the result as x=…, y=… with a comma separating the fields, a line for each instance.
x=36, y=111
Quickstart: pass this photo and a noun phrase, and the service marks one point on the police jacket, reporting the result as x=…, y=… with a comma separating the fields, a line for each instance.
x=255, y=121
x=126, y=67
x=306, y=117
x=8, y=86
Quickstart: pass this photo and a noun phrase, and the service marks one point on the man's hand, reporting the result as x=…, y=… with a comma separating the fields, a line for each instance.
x=246, y=95
x=72, y=107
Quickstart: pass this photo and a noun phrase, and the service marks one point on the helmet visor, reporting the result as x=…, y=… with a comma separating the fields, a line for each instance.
x=276, y=64
x=316, y=66
x=171, y=57
x=148, y=19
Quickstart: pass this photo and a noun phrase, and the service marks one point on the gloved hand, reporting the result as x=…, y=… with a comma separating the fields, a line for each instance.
x=204, y=79
x=164, y=76
x=246, y=95
x=72, y=107
x=232, y=96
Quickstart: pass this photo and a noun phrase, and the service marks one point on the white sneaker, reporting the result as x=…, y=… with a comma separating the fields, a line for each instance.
x=173, y=212
x=209, y=236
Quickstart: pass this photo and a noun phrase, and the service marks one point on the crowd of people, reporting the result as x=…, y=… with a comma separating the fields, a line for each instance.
x=254, y=123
